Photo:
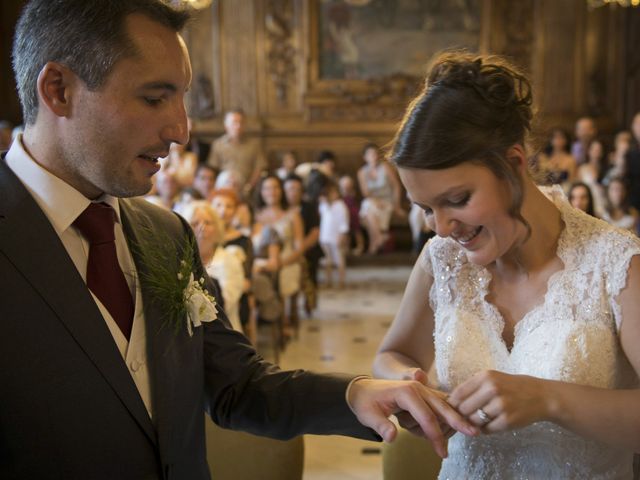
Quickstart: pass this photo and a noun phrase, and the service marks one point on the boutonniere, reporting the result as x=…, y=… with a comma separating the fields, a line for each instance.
x=200, y=305
x=168, y=276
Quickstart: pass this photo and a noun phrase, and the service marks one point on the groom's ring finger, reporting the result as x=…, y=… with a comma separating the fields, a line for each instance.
x=406, y=421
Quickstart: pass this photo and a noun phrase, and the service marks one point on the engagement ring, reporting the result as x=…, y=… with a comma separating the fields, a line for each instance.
x=483, y=416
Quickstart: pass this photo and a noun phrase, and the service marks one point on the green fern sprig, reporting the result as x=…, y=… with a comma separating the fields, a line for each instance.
x=166, y=273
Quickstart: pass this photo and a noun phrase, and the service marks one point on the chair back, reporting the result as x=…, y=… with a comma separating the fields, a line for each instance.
x=409, y=458
x=241, y=456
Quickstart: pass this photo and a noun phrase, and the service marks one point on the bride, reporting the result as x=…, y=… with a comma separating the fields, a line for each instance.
x=527, y=308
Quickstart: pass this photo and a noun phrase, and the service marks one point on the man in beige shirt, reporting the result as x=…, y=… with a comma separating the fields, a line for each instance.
x=233, y=151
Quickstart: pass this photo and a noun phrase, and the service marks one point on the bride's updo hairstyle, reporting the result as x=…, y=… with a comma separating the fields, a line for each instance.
x=472, y=108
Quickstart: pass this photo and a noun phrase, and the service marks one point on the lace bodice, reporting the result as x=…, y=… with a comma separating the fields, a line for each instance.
x=571, y=336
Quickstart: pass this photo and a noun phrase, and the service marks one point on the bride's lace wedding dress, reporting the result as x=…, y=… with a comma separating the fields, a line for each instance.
x=572, y=337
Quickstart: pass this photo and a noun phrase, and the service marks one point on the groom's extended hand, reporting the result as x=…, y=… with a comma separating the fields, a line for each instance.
x=373, y=401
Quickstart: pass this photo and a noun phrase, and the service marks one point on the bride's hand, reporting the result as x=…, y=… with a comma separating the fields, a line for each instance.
x=498, y=401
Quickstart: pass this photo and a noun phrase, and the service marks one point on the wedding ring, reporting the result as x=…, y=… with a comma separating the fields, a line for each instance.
x=484, y=416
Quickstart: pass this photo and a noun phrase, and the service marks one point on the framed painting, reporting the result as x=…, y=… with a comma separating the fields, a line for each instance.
x=366, y=51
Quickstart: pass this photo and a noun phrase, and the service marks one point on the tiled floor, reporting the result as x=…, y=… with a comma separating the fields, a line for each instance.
x=343, y=336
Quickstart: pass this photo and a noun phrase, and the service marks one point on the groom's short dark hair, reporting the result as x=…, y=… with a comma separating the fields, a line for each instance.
x=87, y=36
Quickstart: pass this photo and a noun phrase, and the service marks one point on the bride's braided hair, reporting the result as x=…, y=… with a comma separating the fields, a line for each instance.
x=472, y=108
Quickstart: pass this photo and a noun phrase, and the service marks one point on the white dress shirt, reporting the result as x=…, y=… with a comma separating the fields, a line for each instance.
x=62, y=204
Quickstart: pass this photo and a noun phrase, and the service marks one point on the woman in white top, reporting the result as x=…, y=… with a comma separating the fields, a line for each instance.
x=272, y=211
x=223, y=264
x=528, y=307
x=381, y=191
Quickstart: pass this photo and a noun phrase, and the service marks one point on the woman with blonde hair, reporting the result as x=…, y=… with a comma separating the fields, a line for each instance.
x=222, y=264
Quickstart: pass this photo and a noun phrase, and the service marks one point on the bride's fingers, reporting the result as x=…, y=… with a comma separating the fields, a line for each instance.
x=407, y=422
x=497, y=418
x=447, y=432
x=469, y=388
x=447, y=414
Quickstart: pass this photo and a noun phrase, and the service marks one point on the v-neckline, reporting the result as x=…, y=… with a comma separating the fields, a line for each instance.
x=551, y=281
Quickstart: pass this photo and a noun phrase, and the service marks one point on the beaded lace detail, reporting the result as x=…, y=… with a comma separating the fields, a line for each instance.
x=571, y=336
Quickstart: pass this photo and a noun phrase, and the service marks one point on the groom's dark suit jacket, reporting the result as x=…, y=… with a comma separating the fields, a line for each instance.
x=69, y=408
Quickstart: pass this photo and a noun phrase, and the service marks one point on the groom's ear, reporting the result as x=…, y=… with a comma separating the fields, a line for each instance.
x=55, y=86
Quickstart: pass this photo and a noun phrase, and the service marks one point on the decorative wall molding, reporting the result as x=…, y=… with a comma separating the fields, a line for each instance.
x=281, y=54
x=518, y=23
x=263, y=56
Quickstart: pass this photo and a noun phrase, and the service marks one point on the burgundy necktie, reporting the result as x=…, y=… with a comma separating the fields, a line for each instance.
x=104, y=275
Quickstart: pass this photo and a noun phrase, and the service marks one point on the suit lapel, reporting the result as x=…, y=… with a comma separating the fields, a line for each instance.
x=29, y=241
x=161, y=341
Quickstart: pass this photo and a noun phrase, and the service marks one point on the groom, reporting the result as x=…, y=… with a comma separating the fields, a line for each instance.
x=92, y=384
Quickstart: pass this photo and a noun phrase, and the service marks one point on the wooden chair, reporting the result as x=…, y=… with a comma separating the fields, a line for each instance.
x=242, y=456
x=409, y=458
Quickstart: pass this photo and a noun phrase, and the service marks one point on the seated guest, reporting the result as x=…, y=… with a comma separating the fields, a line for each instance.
x=327, y=163
x=167, y=190
x=273, y=211
x=617, y=163
x=182, y=164
x=222, y=263
x=334, y=233
x=555, y=162
x=381, y=191
x=308, y=210
x=267, y=246
x=350, y=198
x=420, y=231
x=580, y=197
x=205, y=180
x=632, y=163
x=618, y=211
x=185, y=198
x=592, y=172
x=225, y=203
x=585, y=132
x=287, y=166
x=243, y=218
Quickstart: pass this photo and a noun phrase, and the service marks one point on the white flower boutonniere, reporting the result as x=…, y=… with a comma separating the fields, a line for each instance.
x=201, y=306
x=167, y=274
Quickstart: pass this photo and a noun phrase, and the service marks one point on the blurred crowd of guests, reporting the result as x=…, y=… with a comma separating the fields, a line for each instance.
x=599, y=178
x=262, y=234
